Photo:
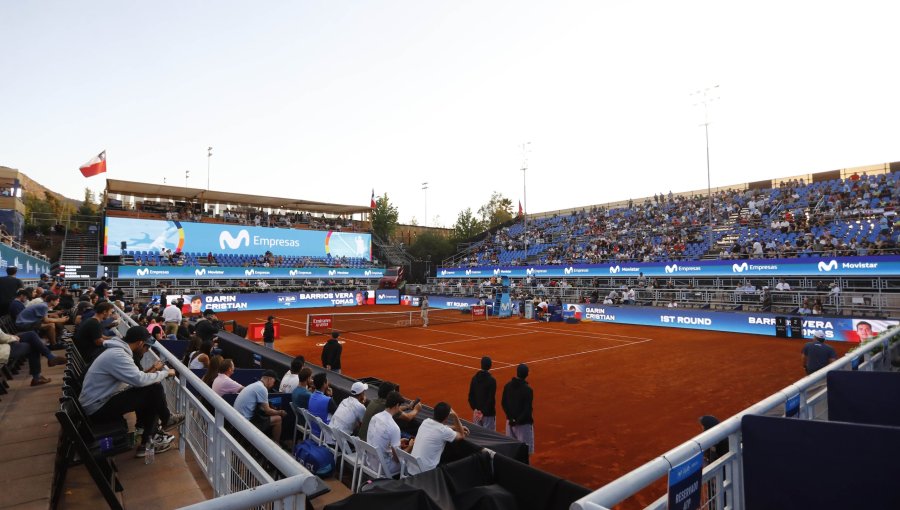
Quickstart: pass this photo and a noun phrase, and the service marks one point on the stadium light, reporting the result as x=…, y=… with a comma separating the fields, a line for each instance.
x=525, y=147
x=187, y=174
x=425, y=189
x=208, y=158
x=705, y=97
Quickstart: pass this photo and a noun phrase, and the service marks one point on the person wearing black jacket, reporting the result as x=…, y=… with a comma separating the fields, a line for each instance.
x=207, y=327
x=483, y=396
x=9, y=285
x=517, y=401
x=269, y=333
x=331, y=353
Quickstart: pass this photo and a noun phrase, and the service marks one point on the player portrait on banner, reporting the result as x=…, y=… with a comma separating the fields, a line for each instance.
x=865, y=330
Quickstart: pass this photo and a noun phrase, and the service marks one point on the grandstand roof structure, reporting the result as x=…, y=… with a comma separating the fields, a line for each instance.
x=116, y=186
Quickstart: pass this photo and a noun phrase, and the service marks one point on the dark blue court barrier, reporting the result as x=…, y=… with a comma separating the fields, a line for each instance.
x=864, y=397
x=176, y=347
x=792, y=464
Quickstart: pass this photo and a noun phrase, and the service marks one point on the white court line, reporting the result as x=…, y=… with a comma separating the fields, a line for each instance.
x=594, y=336
x=402, y=352
x=403, y=343
x=578, y=353
x=477, y=338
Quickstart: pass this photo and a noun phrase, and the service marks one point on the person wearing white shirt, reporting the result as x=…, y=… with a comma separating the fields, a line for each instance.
x=384, y=435
x=782, y=285
x=433, y=435
x=172, y=317
x=291, y=379
x=351, y=410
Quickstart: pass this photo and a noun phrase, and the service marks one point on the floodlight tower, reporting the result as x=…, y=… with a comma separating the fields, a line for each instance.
x=425, y=189
x=525, y=148
x=704, y=97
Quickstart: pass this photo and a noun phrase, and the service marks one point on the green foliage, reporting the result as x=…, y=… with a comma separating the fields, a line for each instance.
x=384, y=217
x=429, y=243
x=467, y=225
x=497, y=211
x=89, y=206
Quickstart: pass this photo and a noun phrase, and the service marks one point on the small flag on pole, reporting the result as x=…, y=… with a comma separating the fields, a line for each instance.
x=97, y=165
x=373, y=199
x=521, y=212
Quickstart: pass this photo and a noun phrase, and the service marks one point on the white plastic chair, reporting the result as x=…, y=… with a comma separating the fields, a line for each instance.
x=367, y=453
x=303, y=429
x=327, y=436
x=344, y=443
x=310, y=419
x=406, y=460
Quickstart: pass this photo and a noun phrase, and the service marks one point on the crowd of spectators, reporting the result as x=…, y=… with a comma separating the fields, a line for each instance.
x=166, y=257
x=855, y=216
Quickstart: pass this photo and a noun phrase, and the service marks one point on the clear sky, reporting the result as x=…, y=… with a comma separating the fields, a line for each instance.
x=325, y=100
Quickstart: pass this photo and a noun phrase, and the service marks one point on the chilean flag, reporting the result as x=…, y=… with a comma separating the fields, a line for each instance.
x=373, y=198
x=97, y=165
x=520, y=208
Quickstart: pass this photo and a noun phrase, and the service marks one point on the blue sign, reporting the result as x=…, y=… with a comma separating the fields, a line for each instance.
x=792, y=406
x=887, y=265
x=387, y=297
x=842, y=329
x=684, y=484
x=29, y=267
x=154, y=235
x=274, y=301
x=241, y=273
x=459, y=303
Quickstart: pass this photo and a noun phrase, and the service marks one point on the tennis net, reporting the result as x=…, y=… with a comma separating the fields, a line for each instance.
x=325, y=323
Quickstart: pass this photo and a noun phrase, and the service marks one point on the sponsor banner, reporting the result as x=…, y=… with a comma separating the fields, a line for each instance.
x=241, y=273
x=387, y=297
x=841, y=329
x=320, y=323
x=451, y=302
x=273, y=301
x=407, y=300
x=154, y=235
x=887, y=265
x=29, y=267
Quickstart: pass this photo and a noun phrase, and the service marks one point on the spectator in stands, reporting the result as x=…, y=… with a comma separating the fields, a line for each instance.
x=817, y=307
x=207, y=326
x=215, y=367
x=9, y=286
x=321, y=403
x=89, y=337
x=300, y=395
x=433, y=434
x=816, y=355
x=375, y=406
x=223, y=383
x=172, y=317
x=350, y=412
x=199, y=359
x=384, y=434
x=18, y=304
x=782, y=285
x=483, y=395
x=253, y=404
x=184, y=329
x=37, y=317
x=331, y=353
x=28, y=345
x=102, y=288
x=292, y=378
x=517, y=403
x=102, y=394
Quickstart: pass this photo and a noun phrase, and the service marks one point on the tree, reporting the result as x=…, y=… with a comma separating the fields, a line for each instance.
x=431, y=244
x=466, y=226
x=89, y=206
x=384, y=217
x=497, y=211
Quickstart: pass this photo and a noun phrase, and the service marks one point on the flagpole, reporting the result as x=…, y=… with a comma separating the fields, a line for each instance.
x=208, y=158
x=525, y=195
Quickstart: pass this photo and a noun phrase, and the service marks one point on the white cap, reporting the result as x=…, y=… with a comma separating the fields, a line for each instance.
x=358, y=387
x=819, y=334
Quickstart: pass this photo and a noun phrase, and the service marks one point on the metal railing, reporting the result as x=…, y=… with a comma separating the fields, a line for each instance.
x=238, y=480
x=725, y=475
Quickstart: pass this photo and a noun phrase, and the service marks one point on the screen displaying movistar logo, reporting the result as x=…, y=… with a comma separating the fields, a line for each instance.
x=142, y=272
x=832, y=264
x=226, y=239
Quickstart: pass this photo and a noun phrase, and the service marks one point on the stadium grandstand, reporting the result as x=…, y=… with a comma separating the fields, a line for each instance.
x=209, y=286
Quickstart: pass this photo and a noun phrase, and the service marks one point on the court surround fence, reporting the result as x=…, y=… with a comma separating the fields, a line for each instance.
x=236, y=477
x=724, y=477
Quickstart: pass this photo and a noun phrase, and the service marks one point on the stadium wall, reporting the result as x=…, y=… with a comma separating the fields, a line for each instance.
x=240, y=273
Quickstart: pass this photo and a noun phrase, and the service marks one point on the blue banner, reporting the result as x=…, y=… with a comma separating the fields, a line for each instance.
x=154, y=235
x=241, y=273
x=451, y=302
x=841, y=329
x=684, y=484
x=29, y=267
x=273, y=301
x=387, y=297
x=886, y=265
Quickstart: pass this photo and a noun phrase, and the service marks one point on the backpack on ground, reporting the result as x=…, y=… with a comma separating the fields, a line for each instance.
x=318, y=459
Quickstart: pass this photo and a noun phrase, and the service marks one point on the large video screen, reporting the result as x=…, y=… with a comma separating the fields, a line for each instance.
x=154, y=235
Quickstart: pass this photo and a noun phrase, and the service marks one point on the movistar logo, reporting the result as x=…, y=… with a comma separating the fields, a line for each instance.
x=497, y=271
x=832, y=264
x=443, y=272
x=293, y=272
x=332, y=272
x=142, y=272
x=234, y=243
x=529, y=270
x=568, y=270
x=614, y=269
x=739, y=268
x=249, y=272
x=369, y=273
x=671, y=269
x=200, y=272
x=468, y=272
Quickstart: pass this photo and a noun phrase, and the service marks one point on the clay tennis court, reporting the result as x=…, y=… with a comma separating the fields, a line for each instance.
x=607, y=397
